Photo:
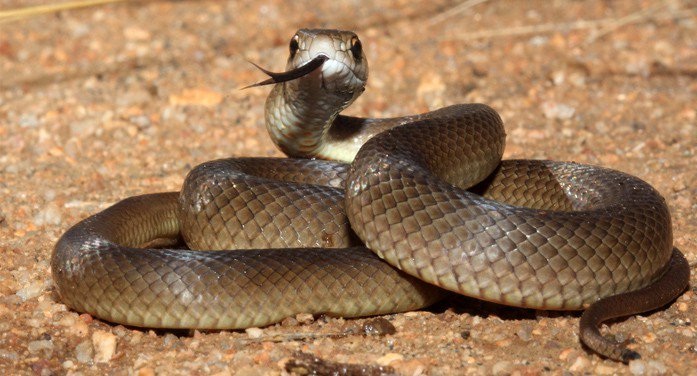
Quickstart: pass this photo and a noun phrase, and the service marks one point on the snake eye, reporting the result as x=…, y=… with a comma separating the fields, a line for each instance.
x=356, y=48
x=294, y=46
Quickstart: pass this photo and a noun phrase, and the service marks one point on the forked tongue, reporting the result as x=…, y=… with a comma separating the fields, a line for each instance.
x=290, y=75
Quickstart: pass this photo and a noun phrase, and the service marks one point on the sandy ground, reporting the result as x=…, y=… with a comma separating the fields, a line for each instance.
x=107, y=102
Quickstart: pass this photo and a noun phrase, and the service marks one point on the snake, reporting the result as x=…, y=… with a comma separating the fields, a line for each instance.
x=370, y=216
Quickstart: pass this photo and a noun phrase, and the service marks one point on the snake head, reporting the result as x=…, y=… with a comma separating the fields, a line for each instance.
x=346, y=67
x=329, y=60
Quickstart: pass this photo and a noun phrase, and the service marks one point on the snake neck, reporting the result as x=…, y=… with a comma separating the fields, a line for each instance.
x=318, y=131
x=303, y=122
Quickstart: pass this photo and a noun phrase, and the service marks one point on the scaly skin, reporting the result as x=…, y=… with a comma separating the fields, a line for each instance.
x=537, y=234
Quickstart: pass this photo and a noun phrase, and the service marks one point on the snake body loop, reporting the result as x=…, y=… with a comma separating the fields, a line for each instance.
x=426, y=193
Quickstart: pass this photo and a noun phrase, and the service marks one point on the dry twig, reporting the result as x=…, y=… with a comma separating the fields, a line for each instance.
x=608, y=24
x=626, y=20
x=33, y=11
x=452, y=12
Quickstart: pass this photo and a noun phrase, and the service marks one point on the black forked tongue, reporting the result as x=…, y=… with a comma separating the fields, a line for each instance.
x=291, y=74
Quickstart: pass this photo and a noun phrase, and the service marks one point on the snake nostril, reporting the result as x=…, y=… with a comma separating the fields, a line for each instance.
x=356, y=48
x=294, y=45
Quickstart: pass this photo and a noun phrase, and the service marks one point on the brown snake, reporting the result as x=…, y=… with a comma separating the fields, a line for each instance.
x=536, y=234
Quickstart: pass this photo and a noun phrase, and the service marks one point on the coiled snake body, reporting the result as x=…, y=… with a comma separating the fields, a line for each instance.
x=538, y=234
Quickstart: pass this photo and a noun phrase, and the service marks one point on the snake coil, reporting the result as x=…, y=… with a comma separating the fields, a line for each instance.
x=427, y=194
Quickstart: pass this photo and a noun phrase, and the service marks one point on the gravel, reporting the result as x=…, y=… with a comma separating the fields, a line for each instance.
x=112, y=101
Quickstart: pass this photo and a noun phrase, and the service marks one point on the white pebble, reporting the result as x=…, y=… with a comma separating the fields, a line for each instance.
x=503, y=367
x=558, y=77
x=84, y=128
x=67, y=320
x=9, y=355
x=79, y=329
x=68, y=364
x=580, y=364
x=554, y=110
x=49, y=215
x=388, y=358
x=22, y=276
x=538, y=40
x=525, y=333
x=40, y=345
x=29, y=121
x=637, y=367
x=84, y=351
x=602, y=369
x=31, y=290
x=49, y=195
x=658, y=367
x=641, y=67
x=254, y=332
x=104, y=346
x=34, y=323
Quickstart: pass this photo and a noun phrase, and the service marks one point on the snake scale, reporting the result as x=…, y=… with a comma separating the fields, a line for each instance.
x=408, y=208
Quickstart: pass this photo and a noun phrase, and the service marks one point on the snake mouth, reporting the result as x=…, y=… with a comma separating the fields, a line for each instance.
x=290, y=75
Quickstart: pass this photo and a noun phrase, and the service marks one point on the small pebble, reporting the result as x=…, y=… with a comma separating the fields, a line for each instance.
x=378, y=327
x=9, y=355
x=558, y=77
x=85, y=127
x=34, y=323
x=648, y=337
x=41, y=345
x=29, y=121
x=254, y=333
x=351, y=327
x=146, y=371
x=577, y=79
x=49, y=215
x=84, y=352
x=135, y=33
x=502, y=367
x=554, y=110
x=679, y=186
x=602, y=369
x=121, y=331
x=659, y=367
x=580, y=364
x=170, y=340
x=413, y=367
x=289, y=321
x=104, y=346
x=538, y=40
x=640, y=67
x=78, y=329
x=173, y=114
x=31, y=290
x=86, y=318
x=305, y=318
x=68, y=364
x=141, y=121
x=525, y=333
x=637, y=367
x=142, y=361
x=388, y=358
